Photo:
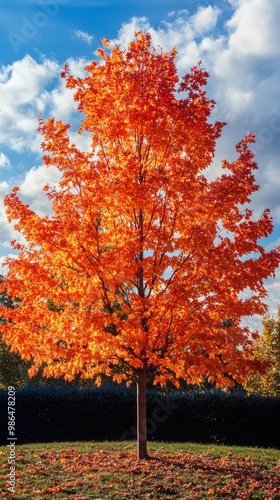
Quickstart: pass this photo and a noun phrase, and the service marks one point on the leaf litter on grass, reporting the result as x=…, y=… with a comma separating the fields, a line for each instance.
x=69, y=473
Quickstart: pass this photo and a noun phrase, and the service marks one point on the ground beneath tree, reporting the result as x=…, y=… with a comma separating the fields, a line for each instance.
x=118, y=475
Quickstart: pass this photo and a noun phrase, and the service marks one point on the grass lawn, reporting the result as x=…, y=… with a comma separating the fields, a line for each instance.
x=109, y=470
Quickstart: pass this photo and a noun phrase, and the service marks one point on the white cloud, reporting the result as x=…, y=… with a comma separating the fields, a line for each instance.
x=4, y=161
x=61, y=99
x=23, y=80
x=36, y=178
x=61, y=102
x=25, y=95
x=84, y=36
x=31, y=192
x=177, y=13
x=255, y=28
x=77, y=66
x=205, y=19
x=20, y=88
x=31, y=188
x=4, y=186
x=127, y=31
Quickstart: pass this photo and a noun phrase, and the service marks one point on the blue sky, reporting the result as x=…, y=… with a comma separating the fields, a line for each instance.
x=48, y=26
x=238, y=42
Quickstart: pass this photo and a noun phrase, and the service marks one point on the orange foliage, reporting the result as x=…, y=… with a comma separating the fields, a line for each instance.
x=144, y=259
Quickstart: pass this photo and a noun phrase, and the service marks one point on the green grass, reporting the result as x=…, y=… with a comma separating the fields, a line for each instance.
x=109, y=470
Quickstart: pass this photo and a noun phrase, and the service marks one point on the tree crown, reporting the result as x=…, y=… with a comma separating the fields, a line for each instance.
x=143, y=263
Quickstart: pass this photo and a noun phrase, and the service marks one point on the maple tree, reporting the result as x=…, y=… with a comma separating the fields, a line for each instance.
x=141, y=268
x=267, y=347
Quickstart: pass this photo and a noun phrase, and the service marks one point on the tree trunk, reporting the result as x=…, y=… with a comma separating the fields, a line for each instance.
x=141, y=416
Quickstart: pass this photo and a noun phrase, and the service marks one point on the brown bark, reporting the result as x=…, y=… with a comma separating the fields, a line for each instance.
x=141, y=415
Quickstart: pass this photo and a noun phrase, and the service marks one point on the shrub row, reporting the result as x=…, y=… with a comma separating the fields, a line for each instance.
x=65, y=413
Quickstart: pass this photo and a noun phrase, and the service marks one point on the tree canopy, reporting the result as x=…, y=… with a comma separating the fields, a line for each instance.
x=145, y=260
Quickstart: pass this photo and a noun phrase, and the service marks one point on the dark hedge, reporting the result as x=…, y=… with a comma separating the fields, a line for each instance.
x=65, y=413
